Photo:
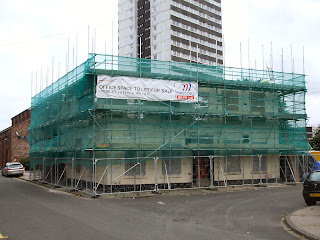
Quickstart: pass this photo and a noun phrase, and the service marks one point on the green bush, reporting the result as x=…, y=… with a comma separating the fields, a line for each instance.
x=26, y=163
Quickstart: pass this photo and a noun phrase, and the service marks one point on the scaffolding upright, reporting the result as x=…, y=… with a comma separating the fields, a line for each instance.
x=240, y=112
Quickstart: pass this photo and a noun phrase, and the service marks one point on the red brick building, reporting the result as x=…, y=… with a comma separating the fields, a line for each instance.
x=5, y=147
x=14, y=143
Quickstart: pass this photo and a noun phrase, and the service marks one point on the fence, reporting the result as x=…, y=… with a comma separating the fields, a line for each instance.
x=101, y=176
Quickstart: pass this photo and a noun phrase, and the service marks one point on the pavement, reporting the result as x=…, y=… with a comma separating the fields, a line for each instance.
x=26, y=175
x=305, y=222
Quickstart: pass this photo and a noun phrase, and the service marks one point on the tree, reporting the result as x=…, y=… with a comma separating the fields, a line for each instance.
x=315, y=141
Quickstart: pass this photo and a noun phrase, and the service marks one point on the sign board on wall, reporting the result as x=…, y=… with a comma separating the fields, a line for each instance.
x=146, y=89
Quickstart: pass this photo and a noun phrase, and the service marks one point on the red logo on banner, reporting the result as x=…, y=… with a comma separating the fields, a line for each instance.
x=181, y=97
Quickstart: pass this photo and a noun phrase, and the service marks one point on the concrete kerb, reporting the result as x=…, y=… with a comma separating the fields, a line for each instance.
x=298, y=230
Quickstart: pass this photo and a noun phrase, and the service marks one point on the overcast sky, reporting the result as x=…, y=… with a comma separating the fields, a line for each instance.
x=35, y=35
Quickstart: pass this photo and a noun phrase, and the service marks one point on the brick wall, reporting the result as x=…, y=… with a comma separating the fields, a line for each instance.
x=5, y=147
x=19, y=136
x=14, y=143
x=19, y=140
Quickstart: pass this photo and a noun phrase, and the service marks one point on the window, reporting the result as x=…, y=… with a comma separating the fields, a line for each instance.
x=155, y=37
x=231, y=100
x=79, y=169
x=233, y=121
x=264, y=163
x=245, y=139
x=154, y=47
x=155, y=57
x=200, y=141
x=233, y=164
x=132, y=158
x=171, y=166
x=315, y=176
x=257, y=101
x=22, y=137
x=14, y=165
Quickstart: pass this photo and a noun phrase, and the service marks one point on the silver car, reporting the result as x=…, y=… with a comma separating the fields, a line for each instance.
x=13, y=168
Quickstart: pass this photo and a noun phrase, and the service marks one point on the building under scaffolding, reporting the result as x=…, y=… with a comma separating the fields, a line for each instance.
x=243, y=126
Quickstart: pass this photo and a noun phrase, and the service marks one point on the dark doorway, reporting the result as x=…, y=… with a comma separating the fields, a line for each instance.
x=201, y=171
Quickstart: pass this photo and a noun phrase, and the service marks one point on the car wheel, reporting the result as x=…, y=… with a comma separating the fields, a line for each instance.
x=310, y=202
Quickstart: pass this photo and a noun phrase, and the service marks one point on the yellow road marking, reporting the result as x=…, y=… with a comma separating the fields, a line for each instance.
x=2, y=237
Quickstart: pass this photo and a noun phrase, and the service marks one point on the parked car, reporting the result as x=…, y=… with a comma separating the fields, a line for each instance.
x=315, y=167
x=311, y=188
x=13, y=168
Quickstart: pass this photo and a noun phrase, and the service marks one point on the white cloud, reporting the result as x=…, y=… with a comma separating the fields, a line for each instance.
x=35, y=31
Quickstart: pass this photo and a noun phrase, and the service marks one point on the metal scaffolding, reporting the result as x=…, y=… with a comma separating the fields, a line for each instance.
x=242, y=115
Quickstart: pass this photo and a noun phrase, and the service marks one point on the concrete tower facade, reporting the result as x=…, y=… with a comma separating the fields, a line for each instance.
x=171, y=30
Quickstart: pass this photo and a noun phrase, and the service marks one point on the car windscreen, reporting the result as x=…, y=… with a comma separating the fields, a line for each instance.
x=315, y=176
x=15, y=165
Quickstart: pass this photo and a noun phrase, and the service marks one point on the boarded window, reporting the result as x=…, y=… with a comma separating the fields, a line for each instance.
x=171, y=165
x=231, y=100
x=132, y=158
x=257, y=102
x=245, y=139
x=256, y=165
x=233, y=164
x=234, y=121
x=79, y=169
x=196, y=140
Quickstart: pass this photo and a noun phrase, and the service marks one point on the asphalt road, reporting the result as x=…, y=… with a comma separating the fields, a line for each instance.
x=30, y=212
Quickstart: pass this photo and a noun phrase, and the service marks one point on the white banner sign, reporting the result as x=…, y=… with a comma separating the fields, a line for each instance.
x=146, y=89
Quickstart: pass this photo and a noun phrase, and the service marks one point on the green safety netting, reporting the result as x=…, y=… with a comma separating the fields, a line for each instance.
x=240, y=112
